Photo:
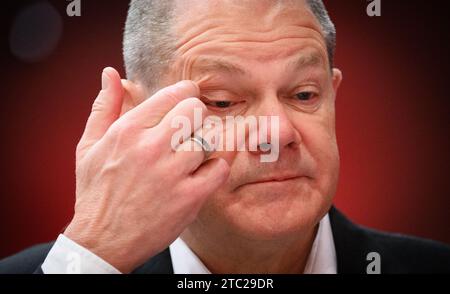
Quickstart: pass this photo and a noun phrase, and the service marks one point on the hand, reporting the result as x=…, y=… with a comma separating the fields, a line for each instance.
x=134, y=194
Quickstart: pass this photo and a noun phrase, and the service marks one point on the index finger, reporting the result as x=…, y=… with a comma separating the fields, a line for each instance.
x=150, y=112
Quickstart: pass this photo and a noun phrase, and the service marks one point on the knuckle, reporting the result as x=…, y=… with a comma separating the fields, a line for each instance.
x=171, y=94
x=98, y=104
x=123, y=130
x=150, y=147
x=80, y=148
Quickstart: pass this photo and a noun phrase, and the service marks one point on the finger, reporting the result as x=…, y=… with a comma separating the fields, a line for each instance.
x=212, y=174
x=105, y=109
x=180, y=122
x=134, y=94
x=150, y=112
x=211, y=134
x=189, y=156
x=191, y=153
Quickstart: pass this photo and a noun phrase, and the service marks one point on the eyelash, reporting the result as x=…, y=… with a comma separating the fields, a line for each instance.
x=215, y=104
x=311, y=96
x=223, y=105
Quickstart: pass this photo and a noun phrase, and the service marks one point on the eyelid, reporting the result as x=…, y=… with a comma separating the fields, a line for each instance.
x=307, y=88
x=218, y=95
x=232, y=109
x=210, y=102
x=307, y=106
x=214, y=100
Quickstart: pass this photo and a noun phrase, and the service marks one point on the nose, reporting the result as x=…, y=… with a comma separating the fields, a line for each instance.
x=279, y=127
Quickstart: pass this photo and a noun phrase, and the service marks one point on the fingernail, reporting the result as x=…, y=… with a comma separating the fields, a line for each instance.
x=105, y=81
x=180, y=84
x=186, y=83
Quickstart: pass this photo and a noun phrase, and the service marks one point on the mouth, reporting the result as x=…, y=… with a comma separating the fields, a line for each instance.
x=272, y=180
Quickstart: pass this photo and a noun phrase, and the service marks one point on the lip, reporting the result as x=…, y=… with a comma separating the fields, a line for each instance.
x=273, y=180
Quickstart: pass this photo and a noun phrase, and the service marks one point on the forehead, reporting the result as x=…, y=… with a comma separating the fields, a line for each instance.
x=251, y=29
x=212, y=64
x=259, y=13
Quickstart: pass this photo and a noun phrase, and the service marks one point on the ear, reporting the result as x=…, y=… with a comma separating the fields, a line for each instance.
x=337, y=79
x=134, y=94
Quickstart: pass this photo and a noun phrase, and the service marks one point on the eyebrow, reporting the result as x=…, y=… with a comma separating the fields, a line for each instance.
x=212, y=65
x=305, y=61
x=205, y=65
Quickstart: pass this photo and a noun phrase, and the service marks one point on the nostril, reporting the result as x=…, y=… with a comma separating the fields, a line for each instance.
x=265, y=147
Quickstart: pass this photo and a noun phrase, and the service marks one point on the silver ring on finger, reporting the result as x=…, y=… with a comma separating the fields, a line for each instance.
x=207, y=150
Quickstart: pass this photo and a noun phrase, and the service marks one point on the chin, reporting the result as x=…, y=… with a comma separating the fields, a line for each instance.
x=261, y=213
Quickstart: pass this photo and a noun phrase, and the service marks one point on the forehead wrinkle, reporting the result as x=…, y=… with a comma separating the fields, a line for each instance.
x=238, y=35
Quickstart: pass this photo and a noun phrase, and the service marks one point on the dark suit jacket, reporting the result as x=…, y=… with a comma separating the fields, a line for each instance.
x=399, y=254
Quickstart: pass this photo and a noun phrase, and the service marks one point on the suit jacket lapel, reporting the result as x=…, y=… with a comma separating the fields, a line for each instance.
x=351, y=244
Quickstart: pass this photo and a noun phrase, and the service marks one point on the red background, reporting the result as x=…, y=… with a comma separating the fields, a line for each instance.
x=393, y=117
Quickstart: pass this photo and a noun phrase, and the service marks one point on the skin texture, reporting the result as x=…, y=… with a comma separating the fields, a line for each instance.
x=267, y=226
x=121, y=201
x=237, y=214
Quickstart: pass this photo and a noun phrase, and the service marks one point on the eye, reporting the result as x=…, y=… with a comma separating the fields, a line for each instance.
x=221, y=104
x=306, y=100
x=304, y=96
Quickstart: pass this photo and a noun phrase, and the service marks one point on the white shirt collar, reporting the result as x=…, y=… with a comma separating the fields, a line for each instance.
x=321, y=260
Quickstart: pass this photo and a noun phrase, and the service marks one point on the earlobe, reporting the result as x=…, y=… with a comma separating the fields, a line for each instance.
x=134, y=95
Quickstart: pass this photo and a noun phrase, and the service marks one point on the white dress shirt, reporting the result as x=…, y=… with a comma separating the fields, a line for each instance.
x=66, y=256
x=321, y=260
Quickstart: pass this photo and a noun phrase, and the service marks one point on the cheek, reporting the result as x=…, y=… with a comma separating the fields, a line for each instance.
x=319, y=142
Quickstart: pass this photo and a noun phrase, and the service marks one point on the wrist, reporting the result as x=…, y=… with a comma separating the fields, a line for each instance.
x=110, y=249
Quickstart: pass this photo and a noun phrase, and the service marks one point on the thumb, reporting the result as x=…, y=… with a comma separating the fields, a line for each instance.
x=105, y=109
x=212, y=174
x=134, y=94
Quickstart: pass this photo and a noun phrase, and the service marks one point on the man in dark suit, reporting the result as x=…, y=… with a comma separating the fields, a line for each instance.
x=399, y=254
x=155, y=199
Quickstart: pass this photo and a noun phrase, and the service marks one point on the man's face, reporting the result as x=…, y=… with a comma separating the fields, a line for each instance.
x=264, y=58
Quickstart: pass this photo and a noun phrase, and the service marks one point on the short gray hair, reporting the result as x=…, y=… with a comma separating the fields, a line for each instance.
x=149, y=43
